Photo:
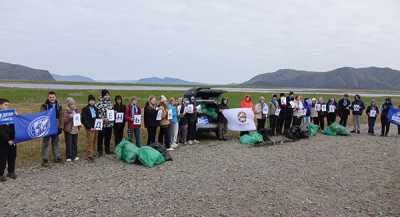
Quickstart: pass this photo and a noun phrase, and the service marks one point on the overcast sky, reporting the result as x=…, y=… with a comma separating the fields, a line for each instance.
x=214, y=41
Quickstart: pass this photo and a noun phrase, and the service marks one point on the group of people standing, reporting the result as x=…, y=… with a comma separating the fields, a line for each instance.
x=284, y=112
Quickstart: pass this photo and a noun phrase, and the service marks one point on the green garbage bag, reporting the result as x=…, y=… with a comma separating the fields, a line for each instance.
x=126, y=151
x=339, y=129
x=150, y=157
x=329, y=132
x=210, y=112
x=313, y=129
x=251, y=139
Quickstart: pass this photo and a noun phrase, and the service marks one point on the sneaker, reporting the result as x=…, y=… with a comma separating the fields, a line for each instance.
x=174, y=146
x=3, y=179
x=76, y=158
x=196, y=141
x=68, y=160
x=190, y=142
x=170, y=149
x=12, y=175
x=353, y=131
x=45, y=163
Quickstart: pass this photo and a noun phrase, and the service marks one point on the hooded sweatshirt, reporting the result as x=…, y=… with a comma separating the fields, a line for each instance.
x=247, y=103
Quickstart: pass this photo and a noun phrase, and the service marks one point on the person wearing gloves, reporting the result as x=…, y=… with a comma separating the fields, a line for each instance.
x=331, y=111
x=344, y=109
x=273, y=107
x=89, y=116
x=133, y=116
x=8, y=149
x=70, y=131
x=103, y=105
x=150, y=119
x=372, y=112
x=386, y=106
x=174, y=124
x=261, y=113
x=119, y=128
x=222, y=122
x=298, y=110
x=247, y=102
x=357, y=107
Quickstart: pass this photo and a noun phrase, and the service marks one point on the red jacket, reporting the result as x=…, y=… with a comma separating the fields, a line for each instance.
x=128, y=116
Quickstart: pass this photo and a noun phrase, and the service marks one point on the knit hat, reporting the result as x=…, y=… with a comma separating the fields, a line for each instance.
x=104, y=92
x=91, y=97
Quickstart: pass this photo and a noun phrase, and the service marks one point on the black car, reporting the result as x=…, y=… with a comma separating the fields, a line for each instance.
x=207, y=101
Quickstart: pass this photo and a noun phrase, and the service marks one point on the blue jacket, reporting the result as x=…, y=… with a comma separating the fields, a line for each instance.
x=172, y=108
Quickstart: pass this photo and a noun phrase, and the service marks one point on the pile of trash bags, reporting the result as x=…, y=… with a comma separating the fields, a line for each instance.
x=336, y=129
x=296, y=132
x=312, y=129
x=251, y=138
x=209, y=111
x=148, y=156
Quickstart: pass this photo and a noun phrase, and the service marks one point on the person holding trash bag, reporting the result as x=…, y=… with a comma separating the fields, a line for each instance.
x=71, y=131
x=133, y=116
x=385, y=122
x=150, y=119
x=331, y=111
x=357, y=107
x=372, y=112
x=344, y=109
x=89, y=116
x=273, y=107
x=222, y=122
x=8, y=150
x=246, y=103
x=261, y=113
x=104, y=105
x=119, y=128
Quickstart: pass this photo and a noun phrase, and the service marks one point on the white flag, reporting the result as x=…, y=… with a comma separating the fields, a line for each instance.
x=240, y=119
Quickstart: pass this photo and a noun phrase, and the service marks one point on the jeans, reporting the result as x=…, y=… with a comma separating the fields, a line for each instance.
x=173, y=132
x=192, y=129
x=343, y=119
x=221, y=130
x=356, y=120
x=8, y=154
x=371, y=125
x=385, y=125
x=104, y=139
x=273, y=123
x=182, y=135
x=306, y=120
x=54, y=147
x=71, y=145
x=134, y=132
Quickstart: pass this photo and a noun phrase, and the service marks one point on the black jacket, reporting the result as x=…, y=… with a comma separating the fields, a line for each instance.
x=369, y=108
x=87, y=119
x=7, y=133
x=344, y=107
x=221, y=117
x=358, y=107
x=385, y=108
x=150, y=117
x=120, y=108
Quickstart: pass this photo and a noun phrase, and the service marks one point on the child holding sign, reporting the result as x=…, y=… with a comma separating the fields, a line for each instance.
x=8, y=150
x=119, y=125
x=372, y=112
x=89, y=116
x=71, y=130
x=133, y=115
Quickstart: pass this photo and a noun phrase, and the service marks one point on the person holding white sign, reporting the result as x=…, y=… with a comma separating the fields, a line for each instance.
x=321, y=112
x=298, y=108
x=71, y=130
x=357, y=107
x=261, y=112
x=164, y=135
x=372, y=112
x=273, y=114
x=119, y=125
x=133, y=116
x=89, y=116
x=192, y=121
x=173, y=119
x=104, y=136
x=331, y=115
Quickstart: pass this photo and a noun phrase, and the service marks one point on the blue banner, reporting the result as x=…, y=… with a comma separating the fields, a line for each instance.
x=34, y=126
x=7, y=116
x=394, y=116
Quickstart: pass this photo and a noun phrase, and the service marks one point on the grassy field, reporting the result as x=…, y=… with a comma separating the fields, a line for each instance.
x=29, y=101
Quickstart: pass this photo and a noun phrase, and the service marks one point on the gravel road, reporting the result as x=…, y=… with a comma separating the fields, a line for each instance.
x=321, y=176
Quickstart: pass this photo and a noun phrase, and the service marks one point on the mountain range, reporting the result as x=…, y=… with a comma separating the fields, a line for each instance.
x=73, y=78
x=341, y=78
x=10, y=71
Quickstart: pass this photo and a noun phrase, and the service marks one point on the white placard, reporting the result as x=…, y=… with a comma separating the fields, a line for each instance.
x=119, y=117
x=323, y=108
x=77, y=120
x=283, y=100
x=318, y=107
x=98, y=124
x=110, y=115
x=159, y=115
x=332, y=108
x=189, y=109
x=292, y=104
x=277, y=111
x=372, y=113
x=137, y=119
x=170, y=114
x=356, y=108
x=265, y=110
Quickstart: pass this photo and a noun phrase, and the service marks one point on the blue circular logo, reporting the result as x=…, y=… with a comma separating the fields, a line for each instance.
x=39, y=127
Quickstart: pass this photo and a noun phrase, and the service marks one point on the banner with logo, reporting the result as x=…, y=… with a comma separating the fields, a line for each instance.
x=7, y=116
x=394, y=116
x=240, y=119
x=36, y=125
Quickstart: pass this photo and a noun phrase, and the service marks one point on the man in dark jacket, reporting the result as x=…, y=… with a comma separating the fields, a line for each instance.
x=357, y=106
x=89, y=116
x=372, y=112
x=222, y=122
x=8, y=150
x=386, y=106
x=344, y=109
x=50, y=103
